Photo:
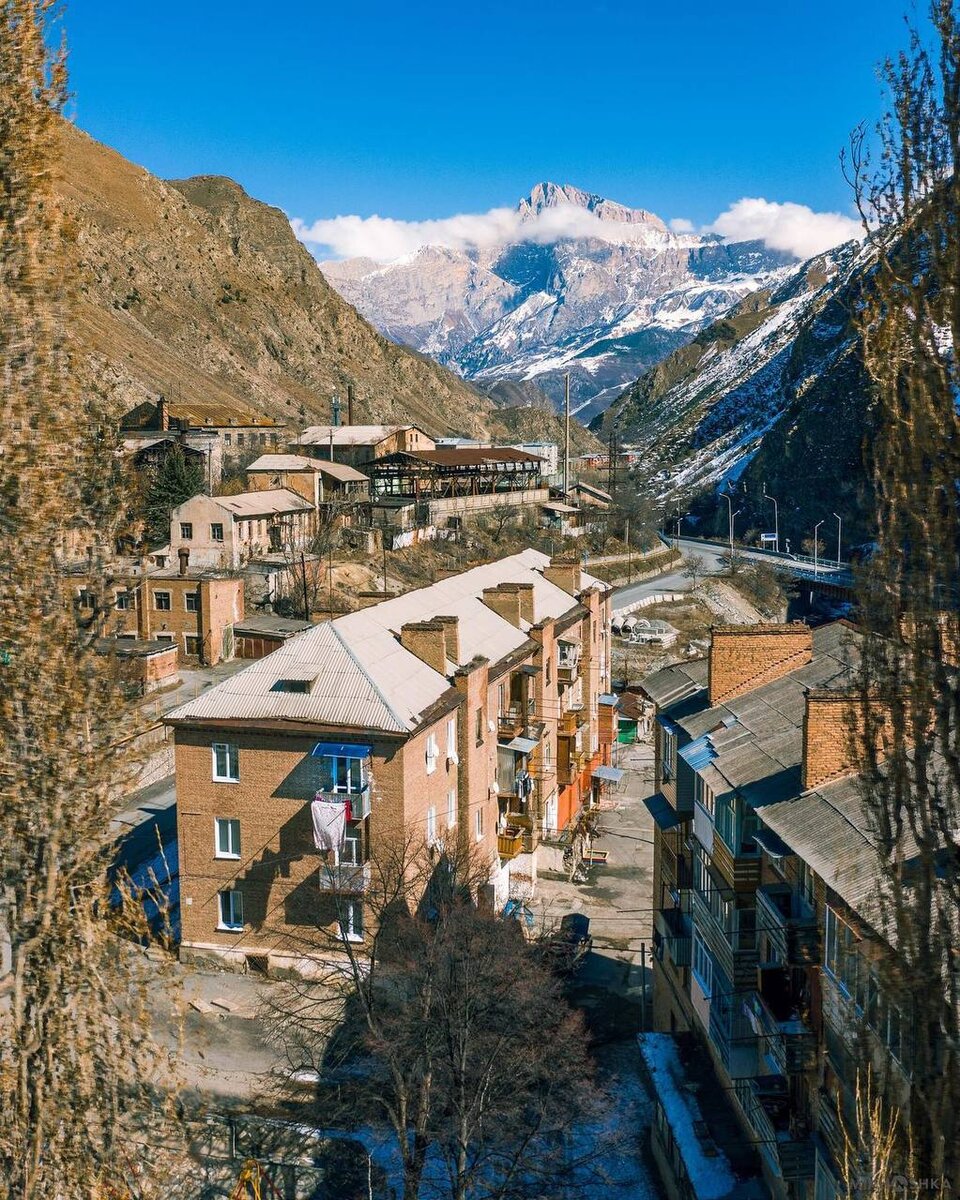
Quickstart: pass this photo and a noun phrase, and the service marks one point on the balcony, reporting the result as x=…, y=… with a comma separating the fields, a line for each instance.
x=734, y=951
x=784, y=1038
x=510, y=842
x=568, y=663
x=672, y=929
x=572, y=721
x=349, y=878
x=511, y=722
x=570, y=769
x=789, y=923
x=359, y=801
x=787, y=1147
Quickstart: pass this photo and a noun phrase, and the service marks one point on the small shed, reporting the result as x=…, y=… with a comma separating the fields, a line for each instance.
x=257, y=636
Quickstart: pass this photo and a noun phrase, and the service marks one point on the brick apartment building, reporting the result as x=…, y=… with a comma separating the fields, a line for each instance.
x=474, y=709
x=766, y=920
x=191, y=608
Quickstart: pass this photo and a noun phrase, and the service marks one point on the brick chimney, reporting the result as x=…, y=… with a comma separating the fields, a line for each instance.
x=163, y=413
x=564, y=571
x=427, y=640
x=451, y=632
x=184, y=555
x=833, y=733
x=504, y=600
x=744, y=657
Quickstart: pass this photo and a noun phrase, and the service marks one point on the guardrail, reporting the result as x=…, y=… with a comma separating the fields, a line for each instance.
x=823, y=564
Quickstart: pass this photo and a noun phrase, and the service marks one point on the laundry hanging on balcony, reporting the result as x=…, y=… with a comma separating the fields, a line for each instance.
x=329, y=823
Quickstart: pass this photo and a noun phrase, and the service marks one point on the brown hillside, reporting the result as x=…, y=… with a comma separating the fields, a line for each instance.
x=194, y=290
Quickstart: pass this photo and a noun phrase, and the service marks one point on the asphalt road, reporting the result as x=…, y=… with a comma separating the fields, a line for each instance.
x=673, y=579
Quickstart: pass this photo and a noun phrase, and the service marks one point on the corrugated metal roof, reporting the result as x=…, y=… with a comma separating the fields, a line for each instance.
x=470, y=457
x=362, y=676
x=348, y=435
x=266, y=503
x=300, y=462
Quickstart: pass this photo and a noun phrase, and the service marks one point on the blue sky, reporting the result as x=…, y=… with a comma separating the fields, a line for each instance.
x=417, y=110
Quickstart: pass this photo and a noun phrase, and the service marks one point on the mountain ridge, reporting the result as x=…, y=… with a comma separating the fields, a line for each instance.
x=586, y=285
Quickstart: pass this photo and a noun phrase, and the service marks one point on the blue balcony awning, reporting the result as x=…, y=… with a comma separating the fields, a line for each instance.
x=663, y=812
x=340, y=750
x=774, y=845
x=609, y=774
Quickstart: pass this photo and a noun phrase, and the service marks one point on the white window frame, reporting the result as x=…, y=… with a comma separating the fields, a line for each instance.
x=123, y=600
x=478, y=824
x=432, y=825
x=186, y=531
x=351, y=920
x=156, y=597
x=353, y=839
x=452, y=755
x=195, y=597
x=235, y=922
x=232, y=826
x=228, y=747
x=451, y=808
x=431, y=753
x=342, y=775
x=701, y=964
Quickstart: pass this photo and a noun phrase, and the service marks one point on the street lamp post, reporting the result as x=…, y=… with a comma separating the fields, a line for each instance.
x=776, y=516
x=679, y=519
x=839, y=532
x=816, y=550
x=731, y=516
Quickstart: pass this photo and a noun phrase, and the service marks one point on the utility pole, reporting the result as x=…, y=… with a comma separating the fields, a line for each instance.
x=566, y=434
x=731, y=517
x=776, y=517
x=629, y=553
x=643, y=987
x=839, y=534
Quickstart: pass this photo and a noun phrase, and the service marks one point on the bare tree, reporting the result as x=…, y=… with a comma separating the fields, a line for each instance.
x=907, y=728
x=445, y=1026
x=694, y=568
x=74, y=1053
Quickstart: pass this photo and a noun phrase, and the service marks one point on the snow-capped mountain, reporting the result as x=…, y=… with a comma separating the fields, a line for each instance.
x=584, y=285
x=771, y=398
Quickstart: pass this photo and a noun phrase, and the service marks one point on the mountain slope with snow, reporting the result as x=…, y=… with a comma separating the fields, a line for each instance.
x=774, y=397
x=594, y=288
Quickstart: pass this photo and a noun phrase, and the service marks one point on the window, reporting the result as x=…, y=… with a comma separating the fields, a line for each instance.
x=351, y=920
x=186, y=530
x=451, y=808
x=263, y=439
x=452, y=755
x=240, y=439
x=86, y=598
x=342, y=775
x=549, y=677
x=161, y=601
x=806, y=882
x=431, y=826
x=478, y=824
x=298, y=686
x=124, y=601
x=227, y=838
x=191, y=601
x=192, y=645
x=226, y=762
x=479, y=731
x=668, y=754
x=702, y=794
x=228, y=439
x=216, y=531
x=431, y=754
x=231, y=910
x=352, y=853
x=840, y=955
x=702, y=963
x=164, y=637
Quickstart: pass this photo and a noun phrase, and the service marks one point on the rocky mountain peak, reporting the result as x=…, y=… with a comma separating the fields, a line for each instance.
x=554, y=195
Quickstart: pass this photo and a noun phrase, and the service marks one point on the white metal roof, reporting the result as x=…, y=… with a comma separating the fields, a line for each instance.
x=348, y=435
x=363, y=677
x=255, y=504
x=299, y=462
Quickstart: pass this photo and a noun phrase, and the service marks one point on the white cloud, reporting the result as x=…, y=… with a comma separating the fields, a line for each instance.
x=384, y=239
x=791, y=227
